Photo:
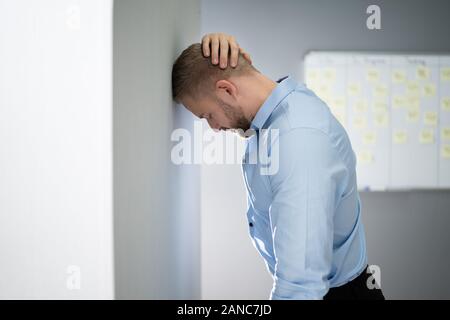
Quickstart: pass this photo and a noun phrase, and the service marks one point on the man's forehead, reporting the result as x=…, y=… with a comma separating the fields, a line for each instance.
x=196, y=105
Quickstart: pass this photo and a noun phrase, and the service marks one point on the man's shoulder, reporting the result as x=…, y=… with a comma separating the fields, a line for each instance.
x=301, y=109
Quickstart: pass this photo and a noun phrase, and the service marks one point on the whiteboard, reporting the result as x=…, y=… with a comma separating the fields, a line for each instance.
x=396, y=111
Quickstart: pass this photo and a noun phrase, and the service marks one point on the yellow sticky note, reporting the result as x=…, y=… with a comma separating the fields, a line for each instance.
x=311, y=75
x=364, y=157
x=381, y=119
x=369, y=138
x=399, y=136
x=445, y=74
x=379, y=106
x=445, y=103
x=312, y=85
x=445, y=134
x=413, y=89
x=445, y=151
x=354, y=89
x=398, y=76
x=380, y=91
x=340, y=116
x=412, y=102
x=429, y=90
x=413, y=115
x=323, y=91
x=360, y=122
x=426, y=136
x=329, y=74
x=339, y=102
x=430, y=118
x=360, y=106
x=373, y=75
x=422, y=73
x=398, y=101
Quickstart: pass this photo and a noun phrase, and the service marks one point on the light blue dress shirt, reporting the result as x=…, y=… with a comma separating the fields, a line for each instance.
x=305, y=216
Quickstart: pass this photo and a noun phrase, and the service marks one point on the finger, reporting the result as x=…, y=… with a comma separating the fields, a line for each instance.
x=205, y=45
x=245, y=55
x=223, y=53
x=214, y=50
x=234, y=54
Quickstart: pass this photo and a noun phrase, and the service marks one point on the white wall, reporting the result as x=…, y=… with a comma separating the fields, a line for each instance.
x=231, y=267
x=56, y=146
x=156, y=204
x=86, y=178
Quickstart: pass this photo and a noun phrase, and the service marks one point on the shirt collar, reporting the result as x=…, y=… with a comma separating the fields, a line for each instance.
x=285, y=86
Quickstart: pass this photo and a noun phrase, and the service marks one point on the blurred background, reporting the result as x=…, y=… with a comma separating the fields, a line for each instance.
x=92, y=205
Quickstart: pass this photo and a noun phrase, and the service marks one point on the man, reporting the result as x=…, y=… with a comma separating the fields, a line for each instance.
x=304, y=217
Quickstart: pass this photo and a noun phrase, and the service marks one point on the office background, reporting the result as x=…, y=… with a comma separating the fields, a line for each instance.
x=406, y=230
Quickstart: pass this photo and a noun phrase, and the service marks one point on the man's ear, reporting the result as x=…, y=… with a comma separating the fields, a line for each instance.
x=226, y=90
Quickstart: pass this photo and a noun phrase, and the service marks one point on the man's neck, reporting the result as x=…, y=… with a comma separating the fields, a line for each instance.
x=260, y=87
x=254, y=89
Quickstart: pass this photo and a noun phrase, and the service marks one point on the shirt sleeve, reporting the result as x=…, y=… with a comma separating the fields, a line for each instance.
x=304, y=193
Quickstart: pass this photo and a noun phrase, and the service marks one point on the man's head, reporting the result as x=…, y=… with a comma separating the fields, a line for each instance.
x=221, y=96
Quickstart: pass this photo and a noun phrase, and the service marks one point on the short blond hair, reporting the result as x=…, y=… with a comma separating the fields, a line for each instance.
x=193, y=74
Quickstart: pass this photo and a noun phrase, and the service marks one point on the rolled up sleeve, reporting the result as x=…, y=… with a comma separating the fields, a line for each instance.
x=304, y=193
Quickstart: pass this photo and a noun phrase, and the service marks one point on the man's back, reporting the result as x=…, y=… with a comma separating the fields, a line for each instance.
x=304, y=218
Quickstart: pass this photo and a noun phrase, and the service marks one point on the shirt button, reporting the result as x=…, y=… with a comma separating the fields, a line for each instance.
x=250, y=224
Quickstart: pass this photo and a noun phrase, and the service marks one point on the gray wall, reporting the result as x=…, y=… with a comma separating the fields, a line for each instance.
x=406, y=231
x=156, y=205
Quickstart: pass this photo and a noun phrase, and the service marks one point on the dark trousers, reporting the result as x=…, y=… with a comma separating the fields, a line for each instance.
x=356, y=289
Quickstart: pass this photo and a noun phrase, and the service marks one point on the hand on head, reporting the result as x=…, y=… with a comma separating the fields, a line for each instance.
x=219, y=45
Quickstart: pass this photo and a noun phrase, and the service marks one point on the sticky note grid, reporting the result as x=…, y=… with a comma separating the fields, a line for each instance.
x=395, y=108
